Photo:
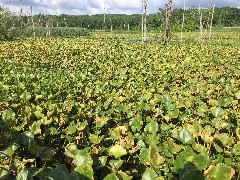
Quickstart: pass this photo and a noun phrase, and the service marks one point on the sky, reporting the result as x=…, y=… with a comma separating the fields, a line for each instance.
x=79, y=7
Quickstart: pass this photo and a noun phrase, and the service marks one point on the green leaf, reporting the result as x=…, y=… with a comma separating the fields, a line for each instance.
x=71, y=129
x=185, y=156
x=136, y=124
x=236, y=149
x=145, y=156
x=8, y=152
x=116, y=164
x=25, y=96
x=83, y=172
x=147, y=96
x=39, y=114
x=218, y=112
x=8, y=117
x=225, y=139
x=173, y=113
x=22, y=175
x=4, y=172
x=237, y=95
x=59, y=173
x=151, y=127
x=103, y=160
x=224, y=101
x=220, y=172
x=111, y=177
x=124, y=176
x=82, y=158
x=190, y=175
x=95, y=139
x=185, y=136
x=156, y=159
x=149, y=174
x=117, y=151
x=201, y=161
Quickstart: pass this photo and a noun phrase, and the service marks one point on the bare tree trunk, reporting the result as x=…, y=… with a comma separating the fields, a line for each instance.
x=200, y=25
x=168, y=14
x=21, y=13
x=183, y=20
x=33, y=26
x=210, y=29
x=104, y=17
x=144, y=20
x=111, y=24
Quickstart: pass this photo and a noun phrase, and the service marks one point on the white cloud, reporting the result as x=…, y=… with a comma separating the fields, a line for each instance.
x=113, y=6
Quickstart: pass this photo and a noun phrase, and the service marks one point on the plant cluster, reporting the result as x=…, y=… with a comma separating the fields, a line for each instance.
x=89, y=108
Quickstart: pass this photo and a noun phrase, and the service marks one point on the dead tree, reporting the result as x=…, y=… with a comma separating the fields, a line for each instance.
x=104, y=17
x=33, y=25
x=144, y=20
x=183, y=20
x=200, y=24
x=211, y=23
x=167, y=18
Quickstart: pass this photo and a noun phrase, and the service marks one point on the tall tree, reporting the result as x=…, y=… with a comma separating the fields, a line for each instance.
x=144, y=20
x=167, y=18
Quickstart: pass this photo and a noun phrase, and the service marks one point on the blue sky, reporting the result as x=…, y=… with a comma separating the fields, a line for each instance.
x=113, y=6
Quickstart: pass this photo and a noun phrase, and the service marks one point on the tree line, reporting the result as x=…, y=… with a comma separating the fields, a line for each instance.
x=225, y=16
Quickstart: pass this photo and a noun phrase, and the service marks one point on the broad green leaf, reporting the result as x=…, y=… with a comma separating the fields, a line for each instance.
x=95, y=139
x=39, y=114
x=199, y=148
x=145, y=156
x=236, y=149
x=185, y=156
x=111, y=177
x=185, y=136
x=124, y=176
x=173, y=113
x=82, y=158
x=25, y=96
x=22, y=175
x=4, y=172
x=82, y=172
x=59, y=173
x=225, y=139
x=218, y=112
x=224, y=101
x=193, y=175
x=220, y=172
x=201, y=161
x=103, y=160
x=8, y=152
x=151, y=127
x=116, y=164
x=136, y=124
x=189, y=172
x=237, y=95
x=8, y=117
x=149, y=174
x=156, y=159
x=71, y=129
x=117, y=151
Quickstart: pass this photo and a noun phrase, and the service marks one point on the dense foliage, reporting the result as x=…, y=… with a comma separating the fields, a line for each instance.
x=54, y=32
x=8, y=25
x=225, y=16
x=97, y=108
x=12, y=27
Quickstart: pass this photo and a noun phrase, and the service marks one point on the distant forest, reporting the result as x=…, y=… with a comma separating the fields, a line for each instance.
x=226, y=16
